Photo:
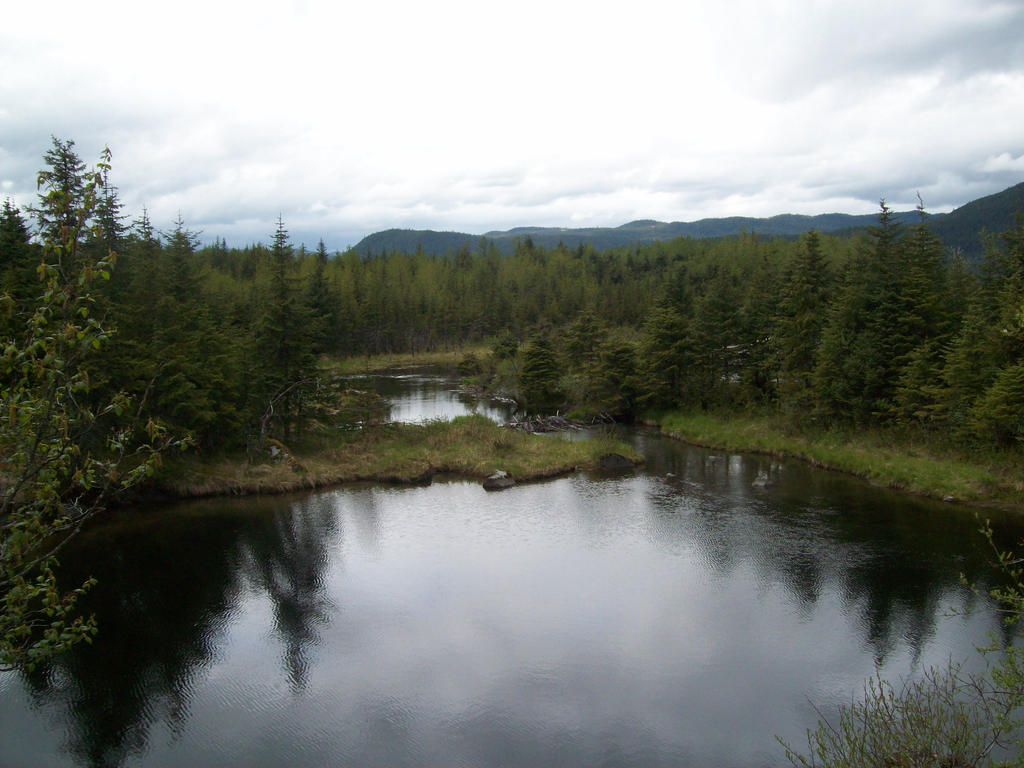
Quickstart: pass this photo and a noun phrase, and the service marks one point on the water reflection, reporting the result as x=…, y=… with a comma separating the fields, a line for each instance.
x=167, y=592
x=679, y=616
x=897, y=561
x=287, y=560
x=163, y=602
x=423, y=396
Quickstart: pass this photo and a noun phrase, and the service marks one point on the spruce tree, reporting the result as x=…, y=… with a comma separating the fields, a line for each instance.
x=189, y=390
x=19, y=262
x=856, y=367
x=67, y=203
x=998, y=416
x=584, y=338
x=999, y=413
x=922, y=326
x=614, y=375
x=284, y=354
x=799, y=324
x=665, y=356
x=713, y=335
x=539, y=374
x=321, y=306
x=969, y=366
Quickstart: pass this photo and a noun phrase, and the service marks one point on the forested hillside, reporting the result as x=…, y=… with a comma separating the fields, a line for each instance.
x=634, y=233
x=887, y=327
x=961, y=229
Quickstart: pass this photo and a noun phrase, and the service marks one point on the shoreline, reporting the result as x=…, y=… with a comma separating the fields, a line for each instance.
x=206, y=485
x=880, y=459
x=468, y=447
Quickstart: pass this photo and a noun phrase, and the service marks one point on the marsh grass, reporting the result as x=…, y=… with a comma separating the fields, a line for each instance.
x=895, y=459
x=376, y=363
x=468, y=446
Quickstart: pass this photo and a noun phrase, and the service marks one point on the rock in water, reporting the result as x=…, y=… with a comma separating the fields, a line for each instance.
x=614, y=462
x=499, y=481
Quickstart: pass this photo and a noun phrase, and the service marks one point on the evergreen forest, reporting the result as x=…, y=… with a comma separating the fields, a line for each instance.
x=125, y=341
x=227, y=345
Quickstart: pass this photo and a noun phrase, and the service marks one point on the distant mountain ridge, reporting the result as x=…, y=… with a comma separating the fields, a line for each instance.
x=960, y=228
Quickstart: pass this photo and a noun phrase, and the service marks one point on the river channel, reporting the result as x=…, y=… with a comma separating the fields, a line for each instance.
x=683, y=614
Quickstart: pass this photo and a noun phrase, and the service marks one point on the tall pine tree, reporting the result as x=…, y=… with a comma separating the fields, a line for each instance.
x=856, y=367
x=284, y=349
x=799, y=324
x=19, y=262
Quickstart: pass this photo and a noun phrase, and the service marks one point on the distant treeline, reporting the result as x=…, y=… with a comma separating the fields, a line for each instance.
x=961, y=230
x=876, y=328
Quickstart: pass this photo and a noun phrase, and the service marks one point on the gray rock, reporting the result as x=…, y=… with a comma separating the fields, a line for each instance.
x=614, y=462
x=499, y=481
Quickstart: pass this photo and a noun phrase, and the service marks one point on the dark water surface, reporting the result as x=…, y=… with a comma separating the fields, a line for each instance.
x=681, y=615
x=416, y=396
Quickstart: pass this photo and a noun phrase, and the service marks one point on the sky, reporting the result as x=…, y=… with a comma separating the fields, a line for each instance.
x=346, y=118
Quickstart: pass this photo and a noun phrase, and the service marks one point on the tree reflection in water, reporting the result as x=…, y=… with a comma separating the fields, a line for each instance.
x=288, y=559
x=897, y=561
x=166, y=592
x=173, y=582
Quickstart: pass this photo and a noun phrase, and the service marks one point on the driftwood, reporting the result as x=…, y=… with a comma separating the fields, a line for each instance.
x=534, y=424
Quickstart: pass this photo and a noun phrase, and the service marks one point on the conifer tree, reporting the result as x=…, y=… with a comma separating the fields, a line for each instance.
x=321, y=306
x=615, y=385
x=923, y=324
x=584, y=338
x=856, y=368
x=190, y=390
x=755, y=352
x=283, y=347
x=799, y=324
x=664, y=356
x=68, y=205
x=142, y=263
x=713, y=335
x=539, y=373
x=110, y=230
x=19, y=262
x=999, y=413
x=969, y=366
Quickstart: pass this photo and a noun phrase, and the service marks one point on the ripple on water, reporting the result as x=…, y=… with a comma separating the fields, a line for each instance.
x=642, y=619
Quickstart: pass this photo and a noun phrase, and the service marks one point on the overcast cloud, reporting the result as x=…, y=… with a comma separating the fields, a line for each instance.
x=347, y=118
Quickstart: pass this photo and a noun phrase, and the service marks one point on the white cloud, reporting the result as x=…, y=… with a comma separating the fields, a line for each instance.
x=346, y=118
x=1004, y=162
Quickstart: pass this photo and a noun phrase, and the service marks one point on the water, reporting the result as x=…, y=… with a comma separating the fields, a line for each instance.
x=416, y=397
x=678, y=615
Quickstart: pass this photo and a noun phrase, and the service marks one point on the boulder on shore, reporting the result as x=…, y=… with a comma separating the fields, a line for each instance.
x=499, y=481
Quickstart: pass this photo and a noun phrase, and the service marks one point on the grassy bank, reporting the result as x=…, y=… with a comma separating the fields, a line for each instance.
x=469, y=446
x=375, y=363
x=885, y=458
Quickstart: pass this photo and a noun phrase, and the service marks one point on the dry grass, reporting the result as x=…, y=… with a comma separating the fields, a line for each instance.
x=376, y=363
x=469, y=446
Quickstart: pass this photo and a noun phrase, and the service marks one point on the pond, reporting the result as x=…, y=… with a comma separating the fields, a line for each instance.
x=683, y=614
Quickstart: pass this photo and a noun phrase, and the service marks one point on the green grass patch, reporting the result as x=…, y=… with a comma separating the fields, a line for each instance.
x=893, y=459
x=468, y=446
x=376, y=363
